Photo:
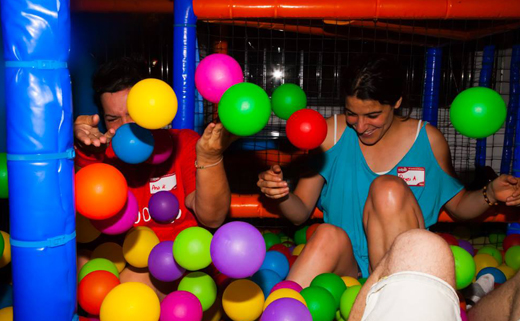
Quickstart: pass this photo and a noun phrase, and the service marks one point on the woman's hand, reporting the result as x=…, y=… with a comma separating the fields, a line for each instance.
x=86, y=133
x=271, y=183
x=505, y=188
x=212, y=144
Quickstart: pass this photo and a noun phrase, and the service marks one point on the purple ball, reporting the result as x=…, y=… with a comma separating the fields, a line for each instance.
x=237, y=249
x=181, y=306
x=467, y=246
x=286, y=309
x=163, y=206
x=287, y=284
x=161, y=263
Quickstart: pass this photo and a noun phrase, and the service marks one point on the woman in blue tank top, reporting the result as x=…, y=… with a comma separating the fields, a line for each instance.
x=376, y=175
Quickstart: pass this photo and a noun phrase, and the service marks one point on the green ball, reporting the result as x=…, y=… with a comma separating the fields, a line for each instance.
x=491, y=250
x=332, y=283
x=191, y=248
x=4, y=190
x=300, y=237
x=478, y=112
x=347, y=300
x=362, y=280
x=97, y=265
x=497, y=238
x=244, y=109
x=202, y=286
x=271, y=239
x=320, y=302
x=513, y=257
x=287, y=99
x=338, y=316
x=465, y=267
x=2, y=245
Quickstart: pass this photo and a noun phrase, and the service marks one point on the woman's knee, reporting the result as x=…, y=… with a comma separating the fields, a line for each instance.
x=329, y=235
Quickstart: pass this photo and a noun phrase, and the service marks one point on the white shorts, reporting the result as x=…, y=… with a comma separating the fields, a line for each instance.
x=412, y=296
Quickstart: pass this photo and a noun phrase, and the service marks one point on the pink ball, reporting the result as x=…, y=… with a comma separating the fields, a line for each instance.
x=287, y=284
x=162, y=148
x=181, y=306
x=122, y=221
x=215, y=74
x=463, y=315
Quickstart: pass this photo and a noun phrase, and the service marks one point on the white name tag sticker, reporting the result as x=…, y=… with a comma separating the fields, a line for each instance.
x=413, y=176
x=165, y=183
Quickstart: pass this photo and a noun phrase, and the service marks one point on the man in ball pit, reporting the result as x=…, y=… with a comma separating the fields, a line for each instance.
x=194, y=172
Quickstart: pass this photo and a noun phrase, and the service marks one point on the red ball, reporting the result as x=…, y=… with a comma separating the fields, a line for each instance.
x=101, y=191
x=282, y=249
x=93, y=289
x=306, y=129
x=511, y=240
x=450, y=239
x=292, y=259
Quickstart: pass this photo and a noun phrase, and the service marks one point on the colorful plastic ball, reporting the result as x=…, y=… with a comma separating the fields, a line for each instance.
x=282, y=249
x=347, y=300
x=300, y=236
x=513, y=257
x=483, y=261
x=112, y=252
x=310, y=231
x=131, y=301
x=122, y=221
x=181, y=306
x=338, y=316
x=286, y=309
x=277, y=262
x=498, y=275
x=215, y=313
x=162, y=265
x=101, y=191
x=97, y=265
x=6, y=314
x=467, y=246
x=202, y=286
x=450, y=239
x=463, y=316
x=332, y=283
x=192, y=248
x=215, y=74
x=93, y=289
x=88, y=319
x=244, y=109
x=133, y=144
x=6, y=256
x=306, y=129
x=243, y=300
x=298, y=249
x=287, y=99
x=465, y=267
x=238, y=249
x=350, y=281
x=491, y=250
x=283, y=293
x=513, y=228
x=163, y=146
x=271, y=239
x=478, y=112
x=266, y=280
x=320, y=302
x=152, y=104
x=138, y=244
x=287, y=284
x=4, y=189
x=496, y=238
x=362, y=280
x=85, y=230
x=511, y=240
x=163, y=207
x=508, y=271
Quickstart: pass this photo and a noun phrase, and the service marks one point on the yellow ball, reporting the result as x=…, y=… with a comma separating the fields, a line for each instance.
x=298, y=249
x=131, y=301
x=138, y=244
x=151, y=103
x=508, y=271
x=350, y=281
x=214, y=313
x=243, y=300
x=6, y=257
x=6, y=314
x=484, y=260
x=283, y=293
x=110, y=251
x=85, y=231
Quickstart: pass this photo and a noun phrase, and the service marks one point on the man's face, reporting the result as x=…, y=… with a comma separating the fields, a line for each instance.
x=114, y=106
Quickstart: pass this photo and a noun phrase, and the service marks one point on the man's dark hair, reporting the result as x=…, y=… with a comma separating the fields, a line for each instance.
x=117, y=75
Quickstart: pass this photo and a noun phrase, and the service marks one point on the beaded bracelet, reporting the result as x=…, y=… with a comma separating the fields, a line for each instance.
x=484, y=193
x=208, y=166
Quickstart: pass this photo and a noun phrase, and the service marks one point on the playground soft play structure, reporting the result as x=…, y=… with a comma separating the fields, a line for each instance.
x=445, y=46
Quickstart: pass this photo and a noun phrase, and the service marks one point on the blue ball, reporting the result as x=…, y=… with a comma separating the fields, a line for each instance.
x=513, y=228
x=132, y=143
x=497, y=274
x=266, y=280
x=277, y=262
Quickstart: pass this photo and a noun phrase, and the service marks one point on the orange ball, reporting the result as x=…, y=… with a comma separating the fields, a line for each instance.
x=93, y=289
x=311, y=230
x=101, y=191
